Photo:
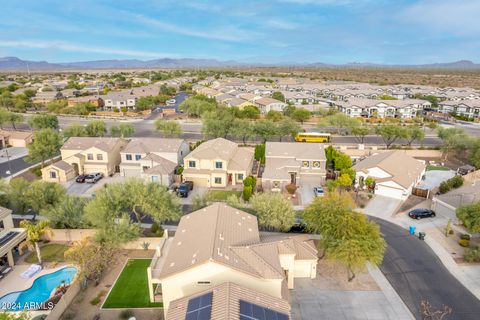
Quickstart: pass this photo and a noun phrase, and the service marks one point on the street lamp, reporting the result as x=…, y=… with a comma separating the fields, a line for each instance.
x=9, y=171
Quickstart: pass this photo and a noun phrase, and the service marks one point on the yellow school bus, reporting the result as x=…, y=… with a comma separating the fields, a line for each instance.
x=313, y=137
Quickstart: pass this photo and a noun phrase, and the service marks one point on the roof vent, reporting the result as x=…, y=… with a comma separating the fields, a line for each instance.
x=183, y=230
x=221, y=237
x=250, y=229
x=172, y=264
x=179, y=243
x=239, y=223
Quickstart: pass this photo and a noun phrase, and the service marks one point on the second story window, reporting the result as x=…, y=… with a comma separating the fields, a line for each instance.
x=99, y=157
x=218, y=165
x=128, y=157
x=90, y=156
x=191, y=164
x=138, y=157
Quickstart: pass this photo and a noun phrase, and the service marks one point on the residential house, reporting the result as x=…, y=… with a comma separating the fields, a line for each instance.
x=228, y=301
x=95, y=101
x=154, y=159
x=357, y=107
x=45, y=97
x=218, y=163
x=267, y=104
x=293, y=162
x=227, y=248
x=119, y=100
x=466, y=108
x=447, y=204
x=86, y=155
x=395, y=173
x=15, y=138
x=10, y=238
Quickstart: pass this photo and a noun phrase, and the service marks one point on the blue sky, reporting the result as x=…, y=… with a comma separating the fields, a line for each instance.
x=301, y=31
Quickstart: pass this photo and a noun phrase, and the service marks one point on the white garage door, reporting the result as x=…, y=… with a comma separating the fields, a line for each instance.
x=389, y=192
x=442, y=210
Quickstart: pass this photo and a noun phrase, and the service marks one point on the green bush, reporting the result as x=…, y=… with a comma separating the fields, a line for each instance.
x=37, y=171
x=445, y=187
x=180, y=170
x=465, y=236
x=472, y=255
x=126, y=314
x=464, y=243
x=154, y=228
x=247, y=193
x=260, y=152
x=456, y=182
x=250, y=181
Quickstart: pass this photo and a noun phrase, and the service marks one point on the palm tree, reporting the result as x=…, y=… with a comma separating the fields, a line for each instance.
x=35, y=232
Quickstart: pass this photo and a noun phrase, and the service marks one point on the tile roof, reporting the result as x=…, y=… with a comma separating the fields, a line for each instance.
x=403, y=168
x=226, y=302
x=300, y=151
x=84, y=143
x=147, y=145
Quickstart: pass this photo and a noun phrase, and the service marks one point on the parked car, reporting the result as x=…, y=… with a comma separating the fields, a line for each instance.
x=81, y=178
x=183, y=189
x=93, y=177
x=318, y=192
x=189, y=184
x=421, y=213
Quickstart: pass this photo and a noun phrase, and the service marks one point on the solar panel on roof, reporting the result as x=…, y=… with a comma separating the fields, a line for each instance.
x=250, y=311
x=200, y=308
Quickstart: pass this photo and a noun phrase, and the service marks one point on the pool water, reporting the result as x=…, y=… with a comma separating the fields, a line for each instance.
x=39, y=292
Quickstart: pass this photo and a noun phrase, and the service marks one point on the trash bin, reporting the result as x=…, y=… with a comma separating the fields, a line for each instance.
x=421, y=235
x=412, y=229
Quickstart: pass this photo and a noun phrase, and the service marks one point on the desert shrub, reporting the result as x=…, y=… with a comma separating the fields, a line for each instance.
x=180, y=170
x=465, y=236
x=464, y=243
x=445, y=187
x=247, y=193
x=156, y=229
x=472, y=255
x=260, y=153
x=456, y=182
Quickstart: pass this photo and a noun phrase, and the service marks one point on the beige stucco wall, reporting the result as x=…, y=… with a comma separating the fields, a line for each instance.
x=62, y=176
x=185, y=283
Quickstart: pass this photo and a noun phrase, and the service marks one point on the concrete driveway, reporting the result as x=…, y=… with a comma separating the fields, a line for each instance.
x=87, y=189
x=196, y=191
x=309, y=303
x=306, y=185
x=382, y=207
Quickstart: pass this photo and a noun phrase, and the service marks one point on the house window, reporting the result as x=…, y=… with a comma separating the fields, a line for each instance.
x=144, y=168
x=138, y=157
x=305, y=164
x=218, y=180
x=240, y=177
x=90, y=156
x=203, y=283
x=218, y=165
x=191, y=164
x=154, y=178
x=53, y=174
x=128, y=156
x=99, y=157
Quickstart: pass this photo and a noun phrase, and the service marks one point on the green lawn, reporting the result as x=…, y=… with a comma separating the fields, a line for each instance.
x=52, y=252
x=131, y=288
x=221, y=195
x=441, y=168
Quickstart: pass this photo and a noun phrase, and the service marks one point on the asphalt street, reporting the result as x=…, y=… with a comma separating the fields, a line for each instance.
x=417, y=274
x=14, y=166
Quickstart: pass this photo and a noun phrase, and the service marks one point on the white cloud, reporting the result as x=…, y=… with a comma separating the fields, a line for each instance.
x=453, y=17
x=65, y=46
x=227, y=33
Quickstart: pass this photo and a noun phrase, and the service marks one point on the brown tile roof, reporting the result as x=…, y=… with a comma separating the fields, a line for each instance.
x=225, y=230
x=403, y=168
x=297, y=150
x=147, y=145
x=226, y=302
x=214, y=149
x=84, y=143
x=62, y=165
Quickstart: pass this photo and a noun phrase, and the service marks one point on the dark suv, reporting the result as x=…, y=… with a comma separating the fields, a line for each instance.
x=421, y=213
x=184, y=188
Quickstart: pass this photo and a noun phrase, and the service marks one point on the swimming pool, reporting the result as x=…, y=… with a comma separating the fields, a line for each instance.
x=39, y=292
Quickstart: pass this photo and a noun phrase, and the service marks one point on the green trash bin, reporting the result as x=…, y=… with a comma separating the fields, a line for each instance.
x=421, y=235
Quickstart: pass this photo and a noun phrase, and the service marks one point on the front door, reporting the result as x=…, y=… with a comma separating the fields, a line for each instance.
x=293, y=177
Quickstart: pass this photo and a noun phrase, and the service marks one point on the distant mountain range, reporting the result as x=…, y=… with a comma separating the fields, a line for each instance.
x=16, y=64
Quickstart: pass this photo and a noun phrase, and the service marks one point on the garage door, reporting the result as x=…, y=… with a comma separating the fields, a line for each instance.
x=130, y=172
x=200, y=182
x=389, y=192
x=441, y=209
x=96, y=169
